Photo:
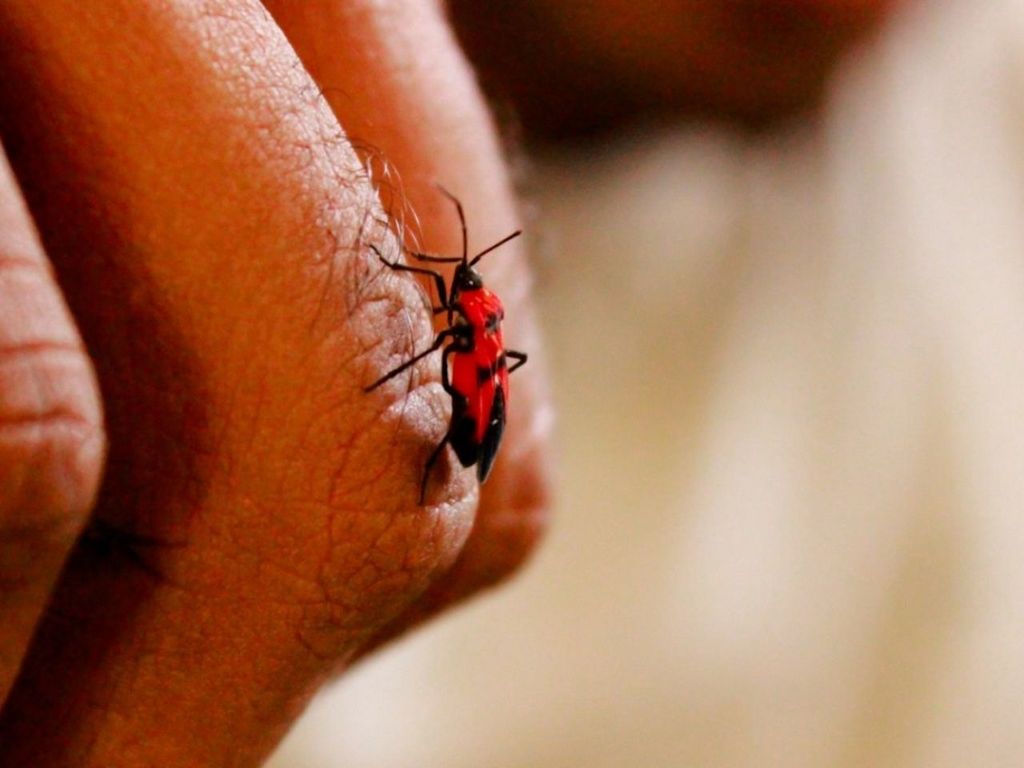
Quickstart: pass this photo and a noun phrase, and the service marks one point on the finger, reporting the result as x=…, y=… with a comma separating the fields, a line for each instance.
x=259, y=518
x=51, y=437
x=399, y=84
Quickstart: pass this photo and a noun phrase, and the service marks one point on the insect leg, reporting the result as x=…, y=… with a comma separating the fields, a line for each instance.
x=449, y=309
x=447, y=333
x=447, y=384
x=519, y=357
x=445, y=379
x=462, y=220
x=433, y=257
x=429, y=466
x=438, y=278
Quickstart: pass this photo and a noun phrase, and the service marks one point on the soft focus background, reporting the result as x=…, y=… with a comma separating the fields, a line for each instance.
x=790, y=368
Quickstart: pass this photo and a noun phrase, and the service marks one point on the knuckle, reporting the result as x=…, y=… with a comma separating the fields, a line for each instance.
x=52, y=440
x=407, y=410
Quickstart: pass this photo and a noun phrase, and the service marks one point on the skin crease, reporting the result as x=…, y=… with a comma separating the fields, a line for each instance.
x=257, y=526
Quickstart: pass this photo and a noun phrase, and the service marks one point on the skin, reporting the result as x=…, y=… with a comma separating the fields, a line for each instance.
x=207, y=214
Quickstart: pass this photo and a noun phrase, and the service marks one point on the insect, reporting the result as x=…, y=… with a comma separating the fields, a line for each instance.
x=474, y=364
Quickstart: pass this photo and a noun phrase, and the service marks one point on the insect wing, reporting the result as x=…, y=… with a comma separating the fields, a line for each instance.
x=492, y=435
x=464, y=432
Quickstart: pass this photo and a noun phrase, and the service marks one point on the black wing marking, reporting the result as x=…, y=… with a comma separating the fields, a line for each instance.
x=492, y=437
x=462, y=432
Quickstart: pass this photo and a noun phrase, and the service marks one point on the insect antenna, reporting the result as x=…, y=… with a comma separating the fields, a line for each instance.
x=498, y=244
x=462, y=221
x=465, y=240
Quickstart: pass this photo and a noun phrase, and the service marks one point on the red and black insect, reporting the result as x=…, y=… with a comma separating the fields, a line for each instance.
x=474, y=364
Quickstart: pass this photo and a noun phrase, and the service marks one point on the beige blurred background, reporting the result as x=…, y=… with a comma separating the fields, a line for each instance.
x=790, y=371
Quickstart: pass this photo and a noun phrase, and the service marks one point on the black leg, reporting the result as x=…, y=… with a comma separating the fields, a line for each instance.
x=519, y=357
x=445, y=379
x=430, y=465
x=437, y=277
x=462, y=220
x=447, y=333
x=449, y=309
x=433, y=257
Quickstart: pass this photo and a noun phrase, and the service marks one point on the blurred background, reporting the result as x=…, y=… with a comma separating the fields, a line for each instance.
x=780, y=258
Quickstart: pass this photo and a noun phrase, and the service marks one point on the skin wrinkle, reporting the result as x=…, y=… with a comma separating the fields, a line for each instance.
x=46, y=427
x=302, y=589
x=9, y=264
x=24, y=350
x=375, y=578
x=361, y=239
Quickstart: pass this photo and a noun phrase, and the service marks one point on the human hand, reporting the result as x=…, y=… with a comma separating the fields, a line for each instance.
x=257, y=526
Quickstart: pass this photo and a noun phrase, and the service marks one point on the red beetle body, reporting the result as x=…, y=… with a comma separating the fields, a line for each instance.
x=474, y=367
